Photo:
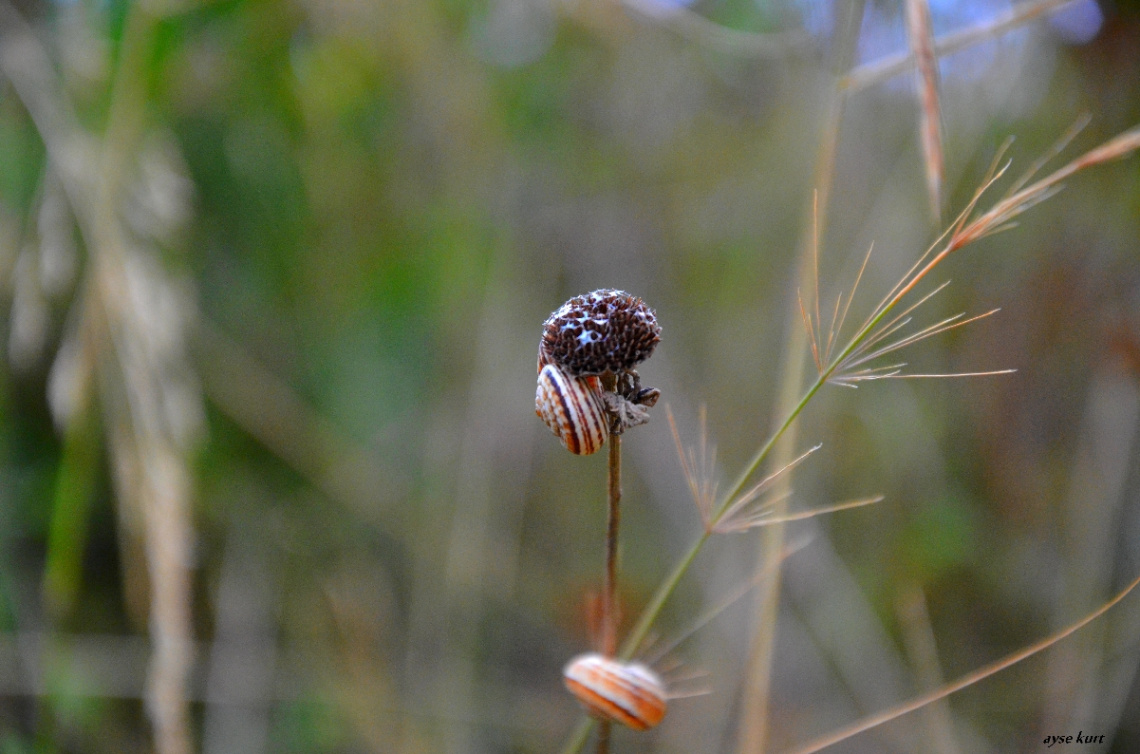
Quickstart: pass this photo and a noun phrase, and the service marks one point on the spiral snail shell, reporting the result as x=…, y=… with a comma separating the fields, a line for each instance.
x=573, y=409
x=626, y=692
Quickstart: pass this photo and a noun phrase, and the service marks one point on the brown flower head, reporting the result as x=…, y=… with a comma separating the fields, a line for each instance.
x=606, y=330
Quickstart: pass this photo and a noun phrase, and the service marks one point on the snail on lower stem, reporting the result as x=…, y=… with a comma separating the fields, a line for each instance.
x=625, y=692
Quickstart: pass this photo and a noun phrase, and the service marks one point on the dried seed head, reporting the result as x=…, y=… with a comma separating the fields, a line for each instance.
x=627, y=692
x=604, y=331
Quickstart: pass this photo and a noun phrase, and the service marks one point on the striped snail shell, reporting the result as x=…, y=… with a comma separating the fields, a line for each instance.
x=573, y=409
x=626, y=692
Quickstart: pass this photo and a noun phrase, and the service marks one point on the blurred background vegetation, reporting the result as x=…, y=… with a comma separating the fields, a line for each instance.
x=273, y=274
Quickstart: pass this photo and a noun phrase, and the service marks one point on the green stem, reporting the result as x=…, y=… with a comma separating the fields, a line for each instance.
x=578, y=738
x=766, y=448
x=641, y=630
x=71, y=510
x=653, y=609
x=604, y=727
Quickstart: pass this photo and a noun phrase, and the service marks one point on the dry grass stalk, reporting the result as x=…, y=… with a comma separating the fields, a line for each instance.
x=754, y=717
x=921, y=38
x=147, y=319
x=150, y=403
x=168, y=554
x=874, y=721
x=865, y=345
x=961, y=233
x=1002, y=214
x=918, y=639
x=698, y=464
x=885, y=68
x=131, y=332
x=609, y=588
x=749, y=509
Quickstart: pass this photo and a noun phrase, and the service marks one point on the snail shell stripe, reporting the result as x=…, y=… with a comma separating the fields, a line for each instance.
x=628, y=693
x=573, y=409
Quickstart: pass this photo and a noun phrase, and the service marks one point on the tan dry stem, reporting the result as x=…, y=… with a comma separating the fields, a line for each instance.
x=874, y=721
x=753, y=735
x=147, y=451
x=1001, y=214
x=885, y=68
x=921, y=38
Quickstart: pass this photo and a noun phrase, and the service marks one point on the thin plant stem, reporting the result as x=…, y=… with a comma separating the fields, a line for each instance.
x=868, y=74
x=873, y=721
x=71, y=507
x=754, y=720
x=609, y=597
x=578, y=738
x=613, y=526
x=609, y=593
x=645, y=622
x=604, y=728
x=161, y=486
x=951, y=243
x=641, y=630
x=922, y=649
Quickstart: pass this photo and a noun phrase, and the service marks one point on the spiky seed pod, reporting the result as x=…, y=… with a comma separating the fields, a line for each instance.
x=603, y=331
x=573, y=409
x=626, y=692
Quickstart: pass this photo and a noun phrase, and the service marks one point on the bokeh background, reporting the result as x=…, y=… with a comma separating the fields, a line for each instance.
x=273, y=274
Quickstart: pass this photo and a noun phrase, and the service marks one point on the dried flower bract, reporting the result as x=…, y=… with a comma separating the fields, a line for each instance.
x=604, y=331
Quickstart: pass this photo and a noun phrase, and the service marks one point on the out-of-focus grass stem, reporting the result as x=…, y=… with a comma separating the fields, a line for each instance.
x=880, y=70
x=873, y=721
x=70, y=510
x=126, y=118
x=161, y=488
x=754, y=719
